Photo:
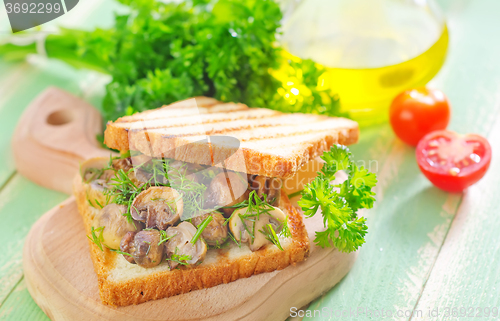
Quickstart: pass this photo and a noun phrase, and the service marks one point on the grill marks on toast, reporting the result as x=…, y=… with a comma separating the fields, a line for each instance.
x=269, y=133
x=284, y=141
x=197, y=118
x=284, y=126
x=240, y=128
x=183, y=110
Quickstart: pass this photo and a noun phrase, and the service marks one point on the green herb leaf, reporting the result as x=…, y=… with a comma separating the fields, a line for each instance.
x=179, y=258
x=255, y=207
x=271, y=235
x=120, y=252
x=201, y=228
x=97, y=239
x=160, y=52
x=164, y=237
x=339, y=204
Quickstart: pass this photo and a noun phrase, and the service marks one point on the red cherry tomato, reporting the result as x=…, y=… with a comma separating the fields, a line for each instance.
x=416, y=112
x=453, y=162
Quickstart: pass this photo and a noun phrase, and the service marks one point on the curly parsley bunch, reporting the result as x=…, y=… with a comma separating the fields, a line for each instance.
x=160, y=52
x=340, y=203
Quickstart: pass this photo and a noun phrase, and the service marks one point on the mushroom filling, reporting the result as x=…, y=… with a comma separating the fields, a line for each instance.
x=156, y=210
x=95, y=169
x=145, y=247
x=180, y=249
x=141, y=169
x=225, y=190
x=257, y=228
x=157, y=207
x=127, y=246
x=115, y=224
x=95, y=192
x=215, y=233
x=270, y=187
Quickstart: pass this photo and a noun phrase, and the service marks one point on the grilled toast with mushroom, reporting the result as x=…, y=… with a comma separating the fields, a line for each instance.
x=184, y=209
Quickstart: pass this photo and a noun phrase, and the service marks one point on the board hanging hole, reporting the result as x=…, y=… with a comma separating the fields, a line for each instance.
x=60, y=117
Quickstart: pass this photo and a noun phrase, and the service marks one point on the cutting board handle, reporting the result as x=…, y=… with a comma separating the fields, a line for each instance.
x=56, y=132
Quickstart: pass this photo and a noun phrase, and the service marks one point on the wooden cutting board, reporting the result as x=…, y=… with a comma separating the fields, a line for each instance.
x=56, y=132
x=61, y=280
x=56, y=260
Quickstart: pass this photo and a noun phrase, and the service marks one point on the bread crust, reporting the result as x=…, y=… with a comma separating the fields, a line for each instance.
x=158, y=285
x=137, y=133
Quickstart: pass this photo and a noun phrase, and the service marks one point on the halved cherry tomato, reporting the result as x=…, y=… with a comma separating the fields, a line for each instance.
x=416, y=112
x=451, y=161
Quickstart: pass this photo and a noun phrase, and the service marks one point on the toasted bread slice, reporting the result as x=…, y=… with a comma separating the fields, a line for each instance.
x=265, y=142
x=122, y=283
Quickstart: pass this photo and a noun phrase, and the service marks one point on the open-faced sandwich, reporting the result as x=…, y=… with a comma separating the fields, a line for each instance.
x=196, y=198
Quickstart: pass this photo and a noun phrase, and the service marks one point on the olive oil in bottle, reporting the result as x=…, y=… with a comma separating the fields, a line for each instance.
x=372, y=49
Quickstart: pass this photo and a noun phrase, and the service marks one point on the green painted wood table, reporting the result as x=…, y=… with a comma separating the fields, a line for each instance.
x=428, y=253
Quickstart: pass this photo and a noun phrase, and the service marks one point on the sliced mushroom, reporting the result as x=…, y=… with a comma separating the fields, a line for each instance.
x=226, y=189
x=244, y=231
x=127, y=246
x=100, y=185
x=158, y=206
x=95, y=193
x=215, y=234
x=143, y=170
x=115, y=224
x=179, y=245
x=92, y=169
x=127, y=165
x=271, y=187
x=122, y=163
x=134, y=168
x=96, y=181
x=144, y=247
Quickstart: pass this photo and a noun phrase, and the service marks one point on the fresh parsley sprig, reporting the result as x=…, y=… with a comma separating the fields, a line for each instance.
x=340, y=203
x=159, y=52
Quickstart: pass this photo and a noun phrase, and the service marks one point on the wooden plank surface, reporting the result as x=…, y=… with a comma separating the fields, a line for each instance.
x=411, y=220
x=465, y=281
x=467, y=272
x=406, y=230
x=12, y=78
x=408, y=226
x=20, y=306
x=20, y=83
x=21, y=203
